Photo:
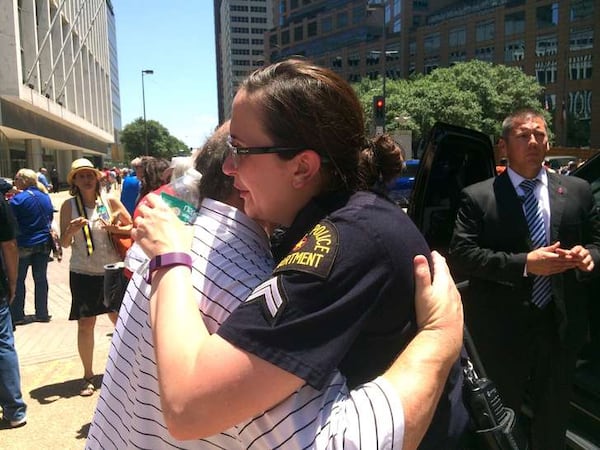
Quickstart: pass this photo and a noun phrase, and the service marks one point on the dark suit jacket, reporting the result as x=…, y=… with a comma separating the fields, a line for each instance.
x=490, y=244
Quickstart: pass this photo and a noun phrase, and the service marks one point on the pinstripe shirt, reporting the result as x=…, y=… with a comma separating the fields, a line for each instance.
x=231, y=257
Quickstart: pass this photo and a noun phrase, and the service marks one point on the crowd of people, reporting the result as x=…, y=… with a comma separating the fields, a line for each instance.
x=290, y=311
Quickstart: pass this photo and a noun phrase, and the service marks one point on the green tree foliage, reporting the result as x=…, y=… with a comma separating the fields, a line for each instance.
x=474, y=94
x=160, y=142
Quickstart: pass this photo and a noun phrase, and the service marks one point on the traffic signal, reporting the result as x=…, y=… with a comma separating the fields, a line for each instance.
x=379, y=110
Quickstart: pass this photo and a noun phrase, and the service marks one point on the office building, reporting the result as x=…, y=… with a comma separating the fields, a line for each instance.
x=59, y=92
x=551, y=40
x=240, y=26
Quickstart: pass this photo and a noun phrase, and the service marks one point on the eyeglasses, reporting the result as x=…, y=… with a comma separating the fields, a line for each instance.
x=242, y=151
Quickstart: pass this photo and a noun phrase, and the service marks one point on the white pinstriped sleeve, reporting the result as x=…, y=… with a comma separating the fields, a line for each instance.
x=370, y=417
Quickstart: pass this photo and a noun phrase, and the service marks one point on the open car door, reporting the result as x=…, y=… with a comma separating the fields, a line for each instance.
x=453, y=158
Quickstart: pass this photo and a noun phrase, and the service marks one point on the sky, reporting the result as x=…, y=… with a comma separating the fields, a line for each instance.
x=175, y=38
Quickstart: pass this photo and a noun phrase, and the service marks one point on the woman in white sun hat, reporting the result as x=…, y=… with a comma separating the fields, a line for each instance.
x=86, y=220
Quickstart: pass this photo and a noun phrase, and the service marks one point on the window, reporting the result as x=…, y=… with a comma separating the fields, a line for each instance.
x=358, y=13
x=238, y=8
x=258, y=41
x=258, y=30
x=581, y=9
x=580, y=104
x=285, y=37
x=514, y=23
x=546, y=45
x=420, y=5
x=342, y=20
x=547, y=15
x=326, y=25
x=484, y=31
x=514, y=51
x=258, y=20
x=431, y=64
x=397, y=7
x=457, y=56
x=431, y=42
x=298, y=33
x=336, y=62
x=545, y=72
x=311, y=29
x=484, y=53
x=243, y=30
x=239, y=19
x=581, y=38
x=353, y=59
x=259, y=9
x=580, y=67
x=412, y=48
x=457, y=37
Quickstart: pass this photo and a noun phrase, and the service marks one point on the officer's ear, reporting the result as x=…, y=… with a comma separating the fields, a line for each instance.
x=306, y=169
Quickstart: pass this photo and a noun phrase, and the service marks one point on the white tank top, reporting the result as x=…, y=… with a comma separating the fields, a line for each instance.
x=104, y=252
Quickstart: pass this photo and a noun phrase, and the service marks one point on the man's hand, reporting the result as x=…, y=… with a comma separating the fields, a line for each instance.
x=438, y=305
x=582, y=257
x=158, y=230
x=551, y=260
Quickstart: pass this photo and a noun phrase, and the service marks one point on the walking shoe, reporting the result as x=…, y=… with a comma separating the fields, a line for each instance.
x=43, y=319
x=18, y=422
x=24, y=321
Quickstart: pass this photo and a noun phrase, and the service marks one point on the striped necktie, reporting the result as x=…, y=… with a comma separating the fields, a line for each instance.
x=542, y=287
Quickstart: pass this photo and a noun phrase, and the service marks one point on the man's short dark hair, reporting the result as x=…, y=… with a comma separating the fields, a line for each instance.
x=209, y=162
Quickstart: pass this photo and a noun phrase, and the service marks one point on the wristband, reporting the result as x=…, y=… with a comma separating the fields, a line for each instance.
x=168, y=260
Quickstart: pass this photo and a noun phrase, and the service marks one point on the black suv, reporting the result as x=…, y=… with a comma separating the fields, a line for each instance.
x=456, y=157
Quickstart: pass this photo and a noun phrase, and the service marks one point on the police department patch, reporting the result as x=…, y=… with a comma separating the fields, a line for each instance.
x=314, y=253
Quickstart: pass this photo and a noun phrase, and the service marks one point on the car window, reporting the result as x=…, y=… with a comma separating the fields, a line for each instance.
x=458, y=163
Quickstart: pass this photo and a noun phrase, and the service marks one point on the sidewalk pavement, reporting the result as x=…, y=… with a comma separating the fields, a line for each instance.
x=51, y=372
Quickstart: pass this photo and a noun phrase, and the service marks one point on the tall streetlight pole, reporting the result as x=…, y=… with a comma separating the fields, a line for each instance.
x=372, y=7
x=145, y=72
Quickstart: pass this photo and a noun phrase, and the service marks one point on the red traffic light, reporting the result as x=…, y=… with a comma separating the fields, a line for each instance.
x=379, y=103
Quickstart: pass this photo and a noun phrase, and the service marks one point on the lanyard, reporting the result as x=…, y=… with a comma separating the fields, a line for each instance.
x=87, y=232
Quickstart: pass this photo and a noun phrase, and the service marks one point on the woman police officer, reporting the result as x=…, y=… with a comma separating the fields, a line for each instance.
x=341, y=296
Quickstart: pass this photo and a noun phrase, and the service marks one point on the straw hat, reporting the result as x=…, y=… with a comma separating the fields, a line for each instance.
x=81, y=164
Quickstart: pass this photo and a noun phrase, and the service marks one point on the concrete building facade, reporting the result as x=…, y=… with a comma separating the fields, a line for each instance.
x=240, y=26
x=59, y=95
x=548, y=39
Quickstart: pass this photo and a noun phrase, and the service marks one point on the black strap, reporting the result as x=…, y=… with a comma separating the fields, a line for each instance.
x=473, y=354
x=86, y=230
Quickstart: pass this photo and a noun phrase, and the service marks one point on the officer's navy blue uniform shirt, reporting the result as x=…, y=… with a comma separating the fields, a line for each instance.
x=342, y=296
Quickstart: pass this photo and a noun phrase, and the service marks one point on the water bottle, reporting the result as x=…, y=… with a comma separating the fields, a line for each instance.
x=183, y=195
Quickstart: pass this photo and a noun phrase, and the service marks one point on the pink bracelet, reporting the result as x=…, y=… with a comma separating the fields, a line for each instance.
x=168, y=260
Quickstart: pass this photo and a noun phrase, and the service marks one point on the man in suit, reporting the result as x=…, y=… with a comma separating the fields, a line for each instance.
x=526, y=305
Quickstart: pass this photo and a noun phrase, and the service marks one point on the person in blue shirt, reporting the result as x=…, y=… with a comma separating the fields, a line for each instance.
x=33, y=211
x=130, y=190
x=43, y=178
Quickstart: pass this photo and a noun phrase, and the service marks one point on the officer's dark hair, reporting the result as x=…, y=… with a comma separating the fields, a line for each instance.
x=312, y=107
x=209, y=162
